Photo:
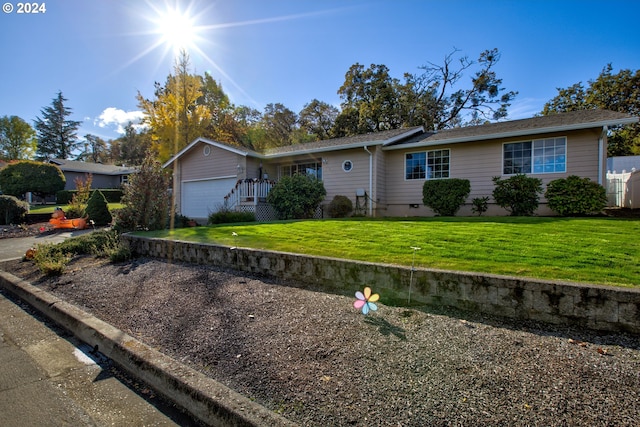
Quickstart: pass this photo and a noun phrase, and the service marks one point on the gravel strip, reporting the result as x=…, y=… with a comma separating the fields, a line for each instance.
x=316, y=360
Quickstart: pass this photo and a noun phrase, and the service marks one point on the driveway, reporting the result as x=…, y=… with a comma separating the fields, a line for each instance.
x=16, y=247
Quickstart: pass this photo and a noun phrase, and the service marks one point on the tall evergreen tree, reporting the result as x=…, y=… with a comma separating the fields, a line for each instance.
x=56, y=134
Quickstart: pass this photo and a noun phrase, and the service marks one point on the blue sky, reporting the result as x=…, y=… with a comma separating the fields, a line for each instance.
x=100, y=53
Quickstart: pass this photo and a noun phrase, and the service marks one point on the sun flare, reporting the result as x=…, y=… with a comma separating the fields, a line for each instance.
x=177, y=30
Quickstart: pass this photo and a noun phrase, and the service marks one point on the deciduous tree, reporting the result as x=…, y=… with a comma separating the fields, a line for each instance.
x=372, y=100
x=279, y=124
x=616, y=92
x=317, y=118
x=17, y=139
x=370, y=95
x=94, y=149
x=483, y=100
x=176, y=116
x=131, y=148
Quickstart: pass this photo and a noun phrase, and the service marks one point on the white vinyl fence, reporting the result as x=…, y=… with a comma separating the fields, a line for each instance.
x=623, y=189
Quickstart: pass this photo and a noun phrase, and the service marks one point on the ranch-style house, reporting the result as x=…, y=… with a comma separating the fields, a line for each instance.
x=383, y=173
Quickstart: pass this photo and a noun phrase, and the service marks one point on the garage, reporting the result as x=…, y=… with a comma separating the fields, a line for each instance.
x=200, y=198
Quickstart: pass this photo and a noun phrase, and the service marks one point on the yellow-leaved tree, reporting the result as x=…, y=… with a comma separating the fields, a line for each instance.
x=175, y=116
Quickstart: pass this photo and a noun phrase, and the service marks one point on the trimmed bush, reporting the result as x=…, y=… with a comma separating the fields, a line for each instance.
x=297, y=196
x=480, y=205
x=445, y=196
x=97, y=209
x=226, y=216
x=12, y=210
x=519, y=194
x=575, y=196
x=340, y=207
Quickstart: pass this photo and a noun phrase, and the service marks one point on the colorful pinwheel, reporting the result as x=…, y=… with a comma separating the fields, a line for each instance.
x=366, y=301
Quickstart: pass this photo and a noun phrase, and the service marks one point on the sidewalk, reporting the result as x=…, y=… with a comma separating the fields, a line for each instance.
x=47, y=378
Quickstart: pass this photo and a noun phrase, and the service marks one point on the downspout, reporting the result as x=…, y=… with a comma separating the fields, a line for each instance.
x=601, y=154
x=370, y=180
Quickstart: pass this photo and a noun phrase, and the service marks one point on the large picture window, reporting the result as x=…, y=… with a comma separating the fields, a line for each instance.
x=537, y=156
x=310, y=169
x=427, y=165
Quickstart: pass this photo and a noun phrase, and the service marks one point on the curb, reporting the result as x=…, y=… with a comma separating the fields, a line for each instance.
x=204, y=398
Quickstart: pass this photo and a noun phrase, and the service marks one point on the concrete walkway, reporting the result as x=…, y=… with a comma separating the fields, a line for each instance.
x=48, y=378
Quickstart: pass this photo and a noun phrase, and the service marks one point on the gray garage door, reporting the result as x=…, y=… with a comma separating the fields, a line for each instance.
x=200, y=198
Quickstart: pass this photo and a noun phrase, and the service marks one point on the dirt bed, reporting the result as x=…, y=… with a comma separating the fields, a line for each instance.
x=316, y=360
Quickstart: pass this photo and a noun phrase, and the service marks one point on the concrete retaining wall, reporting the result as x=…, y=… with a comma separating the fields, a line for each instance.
x=602, y=308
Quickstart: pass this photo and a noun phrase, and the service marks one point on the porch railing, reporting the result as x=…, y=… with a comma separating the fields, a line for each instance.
x=248, y=192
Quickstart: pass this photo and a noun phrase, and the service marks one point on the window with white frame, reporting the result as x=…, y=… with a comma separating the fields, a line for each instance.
x=538, y=156
x=427, y=165
x=313, y=169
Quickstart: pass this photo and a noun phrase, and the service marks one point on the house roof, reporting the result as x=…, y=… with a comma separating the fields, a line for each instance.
x=239, y=151
x=562, y=122
x=416, y=136
x=92, y=168
x=357, y=141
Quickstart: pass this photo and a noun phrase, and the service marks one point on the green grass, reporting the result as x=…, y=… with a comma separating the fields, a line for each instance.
x=596, y=250
x=43, y=209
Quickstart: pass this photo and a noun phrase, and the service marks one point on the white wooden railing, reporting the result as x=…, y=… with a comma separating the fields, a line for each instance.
x=248, y=191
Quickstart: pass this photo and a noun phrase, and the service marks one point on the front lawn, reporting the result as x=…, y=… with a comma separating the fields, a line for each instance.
x=595, y=250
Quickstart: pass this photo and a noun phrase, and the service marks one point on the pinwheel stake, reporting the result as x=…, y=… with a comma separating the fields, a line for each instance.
x=413, y=263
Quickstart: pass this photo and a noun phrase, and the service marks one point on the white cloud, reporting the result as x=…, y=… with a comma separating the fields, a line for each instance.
x=525, y=108
x=117, y=119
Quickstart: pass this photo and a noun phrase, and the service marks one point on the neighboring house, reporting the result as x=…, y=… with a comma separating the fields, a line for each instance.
x=384, y=172
x=103, y=176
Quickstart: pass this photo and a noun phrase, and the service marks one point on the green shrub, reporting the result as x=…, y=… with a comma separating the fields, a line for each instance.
x=180, y=221
x=575, y=196
x=146, y=198
x=519, y=194
x=52, y=259
x=12, y=210
x=97, y=209
x=297, y=196
x=42, y=179
x=64, y=196
x=480, y=205
x=445, y=196
x=226, y=216
x=340, y=207
x=113, y=195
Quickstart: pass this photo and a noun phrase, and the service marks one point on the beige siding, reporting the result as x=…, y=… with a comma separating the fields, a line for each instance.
x=479, y=162
x=194, y=165
x=219, y=162
x=338, y=182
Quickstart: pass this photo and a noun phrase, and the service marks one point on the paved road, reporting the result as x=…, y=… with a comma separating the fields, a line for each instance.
x=47, y=378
